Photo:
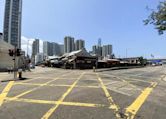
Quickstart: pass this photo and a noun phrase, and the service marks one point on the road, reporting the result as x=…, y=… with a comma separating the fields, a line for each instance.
x=49, y=93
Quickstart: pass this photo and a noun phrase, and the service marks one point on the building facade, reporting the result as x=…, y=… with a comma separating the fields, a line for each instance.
x=47, y=48
x=12, y=22
x=56, y=49
x=61, y=49
x=35, y=47
x=6, y=61
x=52, y=49
x=39, y=58
x=107, y=51
x=97, y=50
x=79, y=44
x=69, y=44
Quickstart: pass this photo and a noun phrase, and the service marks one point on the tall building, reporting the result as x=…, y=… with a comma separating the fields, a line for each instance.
x=68, y=44
x=35, y=47
x=61, y=49
x=12, y=22
x=39, y=58
x=56, y=49
x=47, y=48
x=1, y=36
x=79, y=44
x=97, y=50
x=52, y=49
x=107, y=51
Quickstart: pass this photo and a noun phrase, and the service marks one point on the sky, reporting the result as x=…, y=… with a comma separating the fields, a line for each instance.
x=116, y=22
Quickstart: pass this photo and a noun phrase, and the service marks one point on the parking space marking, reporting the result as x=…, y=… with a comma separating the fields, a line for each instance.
x=33, y=89
x=132, y=110
x=120, y=92
x=57, y=102
x=5, y=92
x=53, y=109
x=128, y=82
x=56, y=85
x=32, y=79
x=113, y=106
x=126, y=77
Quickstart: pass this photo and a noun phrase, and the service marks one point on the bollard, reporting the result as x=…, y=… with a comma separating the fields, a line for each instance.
x=20, y=73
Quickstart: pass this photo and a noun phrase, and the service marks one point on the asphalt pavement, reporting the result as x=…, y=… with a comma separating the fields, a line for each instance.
x=50, y=93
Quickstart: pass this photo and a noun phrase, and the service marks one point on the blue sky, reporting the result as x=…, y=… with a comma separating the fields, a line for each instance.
x=117, y=22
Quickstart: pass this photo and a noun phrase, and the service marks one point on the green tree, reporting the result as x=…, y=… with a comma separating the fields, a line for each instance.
x=158, y=18
x=143, y=61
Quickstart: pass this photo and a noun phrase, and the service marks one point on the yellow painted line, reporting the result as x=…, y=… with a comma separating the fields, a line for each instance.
x=5, y=92
x=33, y=89
x=26, y=92
x=29, y=84
x=37, y=78
x=113, y=106
x=68, y=78
x=83, y=104
x=53, y=109
x=57, y=102
x=129, y=83
x=31, y=101
x=39, y=86
x=124, y=77
x=88, y=86
x=132, y=110
x=55, y=85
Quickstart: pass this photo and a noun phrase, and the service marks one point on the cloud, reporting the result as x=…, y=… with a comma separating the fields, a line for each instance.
x=27, y=43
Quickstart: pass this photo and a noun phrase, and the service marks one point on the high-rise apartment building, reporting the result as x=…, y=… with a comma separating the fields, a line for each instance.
x=56, y=49
x=12, y=22
x=61, y=49
x=79, y=44
x=107, y=51
x=97, y=50
x=47, y=48
x=35, y=47
x=69, y=44
x=52, y=49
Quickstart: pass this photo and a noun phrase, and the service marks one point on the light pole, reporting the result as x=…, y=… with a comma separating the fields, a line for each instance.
x=126, y=53
x=27, y=47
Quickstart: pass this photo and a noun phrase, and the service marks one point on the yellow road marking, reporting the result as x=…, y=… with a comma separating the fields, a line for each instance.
x=130, y=84
x=41, y=85
x=37, y=78
x=35, y=84
x=57, y=102
x=26, y=92
x=124, y=77
x=5, y=92
x=132, y=110
x=55, y=85
x=113, y=106
x=53, y=109
x=29, y=84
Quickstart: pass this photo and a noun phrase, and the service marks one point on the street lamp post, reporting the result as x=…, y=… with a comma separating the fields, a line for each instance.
x=27, y=47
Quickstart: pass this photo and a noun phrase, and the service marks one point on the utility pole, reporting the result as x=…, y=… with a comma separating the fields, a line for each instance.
x=27, y=47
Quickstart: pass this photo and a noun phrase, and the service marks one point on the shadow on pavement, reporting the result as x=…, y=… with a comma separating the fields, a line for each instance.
x=15, y=80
